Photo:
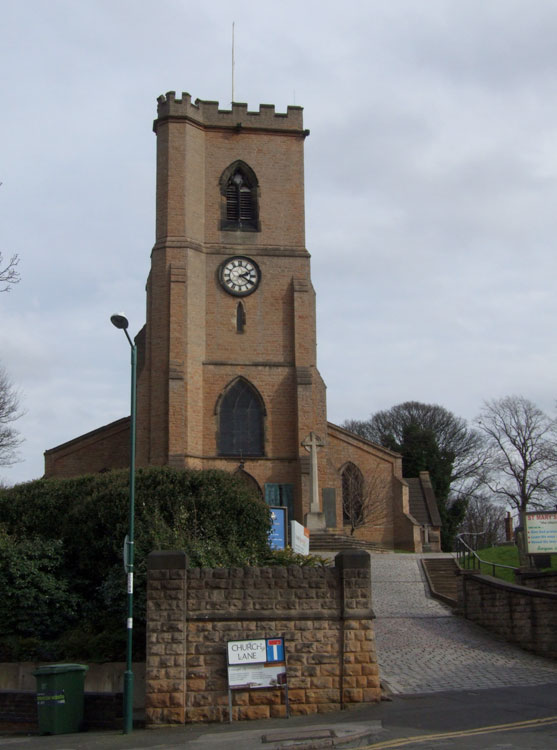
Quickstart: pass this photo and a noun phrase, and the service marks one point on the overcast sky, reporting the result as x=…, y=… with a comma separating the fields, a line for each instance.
x=431, y=191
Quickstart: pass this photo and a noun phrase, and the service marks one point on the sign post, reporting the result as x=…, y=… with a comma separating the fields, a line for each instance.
x=257, y=663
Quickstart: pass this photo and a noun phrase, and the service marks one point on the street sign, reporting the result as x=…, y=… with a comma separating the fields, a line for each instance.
x=275, y=649
x=247, y=652
x=256, y=663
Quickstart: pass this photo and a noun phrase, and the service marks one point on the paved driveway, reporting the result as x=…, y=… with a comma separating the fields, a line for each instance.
x=422, y=647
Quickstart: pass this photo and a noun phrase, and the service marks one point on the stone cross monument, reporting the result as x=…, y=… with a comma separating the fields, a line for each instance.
x=315, y=519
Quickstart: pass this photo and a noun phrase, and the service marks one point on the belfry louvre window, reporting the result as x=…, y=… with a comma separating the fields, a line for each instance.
x=239, y=203
x=239, y=191
x=240, y=416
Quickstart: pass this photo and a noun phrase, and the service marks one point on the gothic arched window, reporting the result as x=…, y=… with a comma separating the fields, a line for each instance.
x=352, y=493
x=240, y=421
x=239, y=208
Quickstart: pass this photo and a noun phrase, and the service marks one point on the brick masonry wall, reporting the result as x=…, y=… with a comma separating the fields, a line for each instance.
x=107, y=447
x=521, y=615
x=324, y=614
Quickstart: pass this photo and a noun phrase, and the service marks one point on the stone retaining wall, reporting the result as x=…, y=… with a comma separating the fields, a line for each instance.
x=324, y=614
x=543, y=581
x=519, y=614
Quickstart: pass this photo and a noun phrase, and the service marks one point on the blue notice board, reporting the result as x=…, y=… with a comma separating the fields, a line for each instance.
x=279, y=529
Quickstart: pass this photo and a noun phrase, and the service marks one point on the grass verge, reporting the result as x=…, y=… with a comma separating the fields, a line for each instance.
x=507, y=555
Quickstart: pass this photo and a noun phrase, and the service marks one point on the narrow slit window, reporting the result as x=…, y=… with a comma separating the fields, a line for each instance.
x=240, y=318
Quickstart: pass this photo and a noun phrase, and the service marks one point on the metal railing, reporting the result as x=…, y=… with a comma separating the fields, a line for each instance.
x=468, y=559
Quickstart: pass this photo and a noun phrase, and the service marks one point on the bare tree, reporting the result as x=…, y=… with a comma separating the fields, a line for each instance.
x=363, y=497
x=9, y=412
x=484, y=522
x=9, y=274
x=522, y=454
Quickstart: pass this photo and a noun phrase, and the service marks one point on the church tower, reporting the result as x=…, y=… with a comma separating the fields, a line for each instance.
x=227, y=375
x=227, y=359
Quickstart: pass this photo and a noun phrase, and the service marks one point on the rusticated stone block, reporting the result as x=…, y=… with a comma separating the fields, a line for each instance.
x=253, y=712
x=303, y=709
x=240, y=698
x=157, y=700
x=264, y=698
x=353, y=695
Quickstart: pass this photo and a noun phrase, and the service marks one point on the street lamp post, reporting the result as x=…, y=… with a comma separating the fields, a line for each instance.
x=120, y=321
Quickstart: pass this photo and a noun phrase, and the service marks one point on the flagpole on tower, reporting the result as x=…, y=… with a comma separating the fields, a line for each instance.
x=232, y=62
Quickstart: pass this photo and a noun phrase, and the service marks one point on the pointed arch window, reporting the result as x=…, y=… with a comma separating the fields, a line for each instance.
x=249, y=481
x=240, y=421
x=239, y=193
x=352, y=493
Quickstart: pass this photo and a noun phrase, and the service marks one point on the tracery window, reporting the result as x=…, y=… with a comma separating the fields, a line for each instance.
x=240, y=421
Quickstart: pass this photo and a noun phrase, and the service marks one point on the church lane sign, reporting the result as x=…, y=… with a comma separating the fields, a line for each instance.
x=256, y=663
x=247, y=652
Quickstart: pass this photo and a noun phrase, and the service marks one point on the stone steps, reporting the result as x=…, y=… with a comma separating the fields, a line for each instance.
x=441, y=575
x=323, y=540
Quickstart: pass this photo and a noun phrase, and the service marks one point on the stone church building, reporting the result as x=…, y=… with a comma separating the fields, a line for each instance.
x=227, y=374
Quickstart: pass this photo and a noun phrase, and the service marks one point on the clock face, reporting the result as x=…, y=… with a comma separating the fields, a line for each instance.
x=239, y=275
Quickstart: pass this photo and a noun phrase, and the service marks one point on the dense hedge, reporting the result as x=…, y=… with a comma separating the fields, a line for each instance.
x=61, y=545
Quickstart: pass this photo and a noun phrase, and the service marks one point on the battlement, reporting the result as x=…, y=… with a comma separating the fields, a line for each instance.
x=208, y=114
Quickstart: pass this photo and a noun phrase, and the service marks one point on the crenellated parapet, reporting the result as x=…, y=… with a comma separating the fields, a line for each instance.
x=208, y=114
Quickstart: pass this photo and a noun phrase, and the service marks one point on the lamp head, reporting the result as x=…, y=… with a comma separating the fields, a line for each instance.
x=119, y=320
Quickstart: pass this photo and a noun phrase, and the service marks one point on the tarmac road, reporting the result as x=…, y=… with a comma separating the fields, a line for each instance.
x=524, y=717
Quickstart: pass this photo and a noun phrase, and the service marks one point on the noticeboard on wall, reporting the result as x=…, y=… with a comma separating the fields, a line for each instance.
x=541, y=533
x=279, y=528
x=256, y=663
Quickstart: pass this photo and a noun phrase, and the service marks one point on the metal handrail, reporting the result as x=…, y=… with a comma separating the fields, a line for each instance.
x=470, y=560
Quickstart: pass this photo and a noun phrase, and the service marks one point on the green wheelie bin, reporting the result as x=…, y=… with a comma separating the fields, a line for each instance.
x=60, y=697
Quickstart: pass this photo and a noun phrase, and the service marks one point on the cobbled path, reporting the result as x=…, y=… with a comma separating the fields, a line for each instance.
x=423, y=648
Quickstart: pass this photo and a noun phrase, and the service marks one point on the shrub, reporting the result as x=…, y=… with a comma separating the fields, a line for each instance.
x=36, y=600
x=77, y=529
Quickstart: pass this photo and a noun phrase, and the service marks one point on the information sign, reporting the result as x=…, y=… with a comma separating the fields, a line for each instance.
x=277, y=535
x=541, y=533
x=256, y=663
x=256, y=676
x=300, y=538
